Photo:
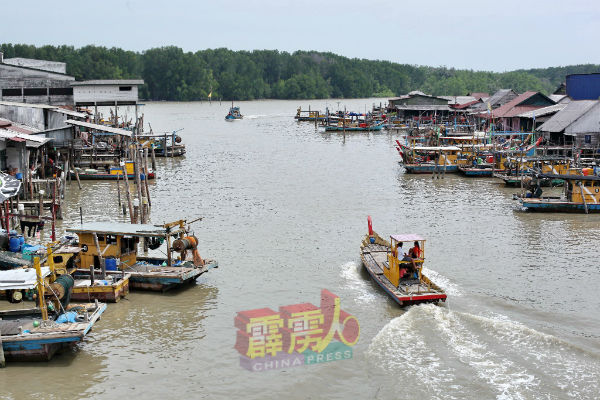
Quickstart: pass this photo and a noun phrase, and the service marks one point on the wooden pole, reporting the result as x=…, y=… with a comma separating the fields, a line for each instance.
x=119, y=190
x=153, y=159
x=54, y=212
x=138, y=183
x=100, y=258
x=2, y=359
x=77, y=176
x=40, y=288
x=127, y=194
x=146, y=172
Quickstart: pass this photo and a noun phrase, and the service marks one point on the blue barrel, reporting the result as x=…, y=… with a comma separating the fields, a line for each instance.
x=14, y=244
x=21, y=240
x=111, y=264
x=142, y=177
x=19, y=175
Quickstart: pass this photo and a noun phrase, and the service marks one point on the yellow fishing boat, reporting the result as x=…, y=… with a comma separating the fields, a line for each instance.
x=399, y=275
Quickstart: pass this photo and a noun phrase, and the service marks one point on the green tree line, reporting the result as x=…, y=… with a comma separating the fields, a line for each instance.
x=170, y=73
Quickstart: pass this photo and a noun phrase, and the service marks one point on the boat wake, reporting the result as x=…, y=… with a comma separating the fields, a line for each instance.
x=432, y=351
x=451, y=288
x=254, y=116
x=350, y=271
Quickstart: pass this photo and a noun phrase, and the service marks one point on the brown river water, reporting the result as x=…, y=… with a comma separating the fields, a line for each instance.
x=285, y=208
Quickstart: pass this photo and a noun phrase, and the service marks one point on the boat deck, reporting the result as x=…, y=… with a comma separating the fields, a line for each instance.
x=375, y=258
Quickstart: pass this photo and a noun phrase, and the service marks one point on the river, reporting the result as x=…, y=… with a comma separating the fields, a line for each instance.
x=285, y=208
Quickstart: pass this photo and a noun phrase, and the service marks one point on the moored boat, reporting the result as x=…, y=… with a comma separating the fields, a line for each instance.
x=395, y=275
x=581, y=195
x=355, y=127
x=35, y=334
x=119, y=242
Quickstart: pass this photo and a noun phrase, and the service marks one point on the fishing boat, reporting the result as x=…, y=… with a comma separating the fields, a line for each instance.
x=581, y=195
x=430, y=159
x=355, y=127
x=163, y=145
x=119, y=242
x=385, y=263
x=110, y=173
x=233, y=114
x=35, y=334
x=309, y=116
x=520, y=169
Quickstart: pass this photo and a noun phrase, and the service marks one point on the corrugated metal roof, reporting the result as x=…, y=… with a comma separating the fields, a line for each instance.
x=101, y=128
x=504, y=109
x=557, y=97
x=458, y=99
x=120, y=228
x=109, y=82
x=44, y=106
x=28, y=105
x=497, y=98
x=480, y=95
x=424, y=107
x=540, y=112
x=565, y=117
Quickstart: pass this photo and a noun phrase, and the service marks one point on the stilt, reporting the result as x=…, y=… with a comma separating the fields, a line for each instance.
x=2, y=360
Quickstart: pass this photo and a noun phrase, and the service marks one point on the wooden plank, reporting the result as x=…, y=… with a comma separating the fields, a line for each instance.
x=2, y=359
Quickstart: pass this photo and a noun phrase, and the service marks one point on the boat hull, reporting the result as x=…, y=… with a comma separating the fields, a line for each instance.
x=477, y=172
x=353, y=129
x=429, y=169
x=43, y=346
x=114, y=177
x=162, y=279
x=539, y=205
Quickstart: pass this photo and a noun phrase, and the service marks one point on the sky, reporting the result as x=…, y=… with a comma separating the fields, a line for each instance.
x=480, y=35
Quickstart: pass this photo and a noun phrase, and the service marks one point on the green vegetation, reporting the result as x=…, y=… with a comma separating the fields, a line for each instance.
x=172, y=74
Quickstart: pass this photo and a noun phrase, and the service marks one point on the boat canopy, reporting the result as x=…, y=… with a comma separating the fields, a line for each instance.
x=20, y=278
x=407, y=237
x=570, y=177
x=121, y=228
x=436, y=148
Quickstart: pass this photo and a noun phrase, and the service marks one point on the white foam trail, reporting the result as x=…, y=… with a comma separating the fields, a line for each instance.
x=350, y=271
x=448, y=354
x=254, y=116
x=451, y=288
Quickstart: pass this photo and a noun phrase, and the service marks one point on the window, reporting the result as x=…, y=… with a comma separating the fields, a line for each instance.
x=35, y=92
x=11, y=92
x=2, y=160
x=111, y=239
x=61, y=91
x=124, y=88
x=587, y=139
x=58, y=259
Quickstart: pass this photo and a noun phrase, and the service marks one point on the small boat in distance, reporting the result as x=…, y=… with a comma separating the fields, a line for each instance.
x=234, y=113
x=385, y=263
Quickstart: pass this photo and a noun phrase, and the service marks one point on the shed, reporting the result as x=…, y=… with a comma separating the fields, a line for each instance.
x=112, y=92
x=583, y=86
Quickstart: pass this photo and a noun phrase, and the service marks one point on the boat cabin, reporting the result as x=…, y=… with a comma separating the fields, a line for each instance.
x=398, y=264
x=120, y=241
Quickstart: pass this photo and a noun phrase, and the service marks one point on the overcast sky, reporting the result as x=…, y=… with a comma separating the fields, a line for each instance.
x=480, y=35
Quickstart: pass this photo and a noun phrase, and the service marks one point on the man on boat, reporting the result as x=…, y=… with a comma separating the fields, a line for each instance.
x=410, y=267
